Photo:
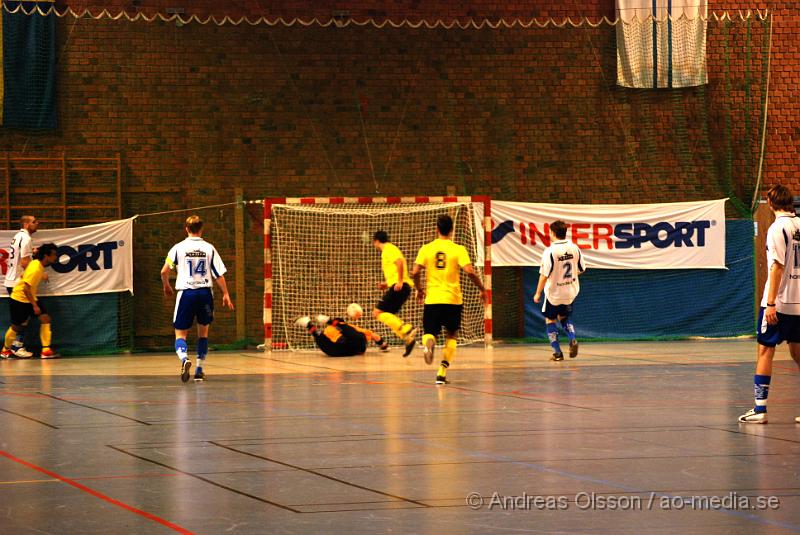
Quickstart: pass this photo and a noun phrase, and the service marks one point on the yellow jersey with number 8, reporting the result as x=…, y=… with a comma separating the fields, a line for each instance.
x=443, y=260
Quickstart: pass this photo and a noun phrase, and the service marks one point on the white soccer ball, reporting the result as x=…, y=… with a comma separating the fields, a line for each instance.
x=354, y=311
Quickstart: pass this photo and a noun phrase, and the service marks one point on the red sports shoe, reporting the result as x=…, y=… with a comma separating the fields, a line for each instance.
x=48, y=353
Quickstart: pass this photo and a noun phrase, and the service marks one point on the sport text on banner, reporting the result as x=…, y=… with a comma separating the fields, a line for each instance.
x=686, y=235
x=91, y=259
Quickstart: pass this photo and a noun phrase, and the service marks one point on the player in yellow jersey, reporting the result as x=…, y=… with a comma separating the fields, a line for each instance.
x=398, y=286
x=442, y=260
x=25, y=304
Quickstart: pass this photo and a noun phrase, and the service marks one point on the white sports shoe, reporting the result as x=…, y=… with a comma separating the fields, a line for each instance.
x=303, y=322
x=427, y=354
x=753, y=417
x=322, y=319
x=21, y=353
x=797, y=420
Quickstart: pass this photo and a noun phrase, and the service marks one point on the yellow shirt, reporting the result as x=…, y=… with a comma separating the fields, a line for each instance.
x=389, y=257
x=33, y=276
x=442, y=260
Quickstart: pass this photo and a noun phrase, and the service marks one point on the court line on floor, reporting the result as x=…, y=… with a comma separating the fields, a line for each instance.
x=737, y=432
x=312, y=472
x=204, y=479
x=525, y=398
x=29, y=418
x=97, y=494
x=93, y=408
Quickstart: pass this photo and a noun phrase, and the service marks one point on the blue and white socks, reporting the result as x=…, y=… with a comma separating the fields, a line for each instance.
x=552, y=335
x=761, y=388
x=181, y=348
x=570, y=328
x=202, y=351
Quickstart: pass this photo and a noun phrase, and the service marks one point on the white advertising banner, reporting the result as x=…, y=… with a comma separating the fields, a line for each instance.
x=685, y=235
x=91, y=259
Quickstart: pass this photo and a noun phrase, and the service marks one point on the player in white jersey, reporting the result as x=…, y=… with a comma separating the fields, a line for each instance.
x=198, y=264
x=562, y=262
x=779, y=315
x=19, y=256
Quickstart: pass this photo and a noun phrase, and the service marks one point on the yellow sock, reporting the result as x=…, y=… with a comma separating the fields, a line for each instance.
x=393, y=322
x=448, y=354
x=45, y=334
x=11, y=335
x=428, y=337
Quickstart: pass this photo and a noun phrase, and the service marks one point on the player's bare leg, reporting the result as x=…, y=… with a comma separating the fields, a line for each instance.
x=181, y=349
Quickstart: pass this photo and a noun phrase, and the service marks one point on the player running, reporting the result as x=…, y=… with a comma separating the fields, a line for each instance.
x=442, y=260
x=562, y=262
x=398, y=286
x=779, y=316
x=20, y=254
x=25, y=305
x=198, y=263
x=337, y=338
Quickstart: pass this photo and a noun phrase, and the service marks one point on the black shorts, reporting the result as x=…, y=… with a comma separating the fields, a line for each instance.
x=434, y=317
x=22, y=312
x=392, y=301
x=552, y=312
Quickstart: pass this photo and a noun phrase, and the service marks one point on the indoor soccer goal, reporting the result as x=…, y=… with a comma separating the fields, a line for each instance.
x=319, y=257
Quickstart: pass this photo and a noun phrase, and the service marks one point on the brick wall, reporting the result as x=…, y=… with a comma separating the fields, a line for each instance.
x=531, y=115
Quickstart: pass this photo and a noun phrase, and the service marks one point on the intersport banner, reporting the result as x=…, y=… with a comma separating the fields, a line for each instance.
x=91, y=259
x=685, y=235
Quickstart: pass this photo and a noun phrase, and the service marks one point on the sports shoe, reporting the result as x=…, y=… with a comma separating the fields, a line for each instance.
x=410, y=341
x=186, y=365
x=21, y=353
x=6, y=354
x=753, y=417
x=441, y=380
x=303, y=322
x=199, y=376
x=48, y=353
x=383, y=345
x=428, y=354
x=322, y=319
x=557, y=356
x=797, y=420
x=573, y=349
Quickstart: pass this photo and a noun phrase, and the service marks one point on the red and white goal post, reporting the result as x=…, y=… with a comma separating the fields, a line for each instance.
x=319, y=257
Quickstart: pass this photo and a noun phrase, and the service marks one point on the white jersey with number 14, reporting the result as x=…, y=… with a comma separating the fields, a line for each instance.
x=198, y=263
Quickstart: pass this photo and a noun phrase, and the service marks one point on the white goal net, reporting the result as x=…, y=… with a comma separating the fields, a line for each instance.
x=323, y=259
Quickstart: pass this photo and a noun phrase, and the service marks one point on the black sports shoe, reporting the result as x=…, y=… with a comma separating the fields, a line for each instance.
x=199, y=376
x=383, y=345
x=557, y=356
x=441, y=380
x=410, y=341
x=186, y=365
x=573, y=349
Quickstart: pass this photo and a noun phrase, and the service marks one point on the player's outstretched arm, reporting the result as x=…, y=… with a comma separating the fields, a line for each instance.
x=165, y=280
x=476, y=280
x=537, y=297
x=416, y=275
x=226, y=298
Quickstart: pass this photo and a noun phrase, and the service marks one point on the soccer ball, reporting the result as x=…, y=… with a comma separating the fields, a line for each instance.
x=354, y=311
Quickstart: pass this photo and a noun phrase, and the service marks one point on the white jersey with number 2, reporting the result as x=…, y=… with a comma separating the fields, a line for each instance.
x=783, y=246
x=198, y=263
x=562, y=262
